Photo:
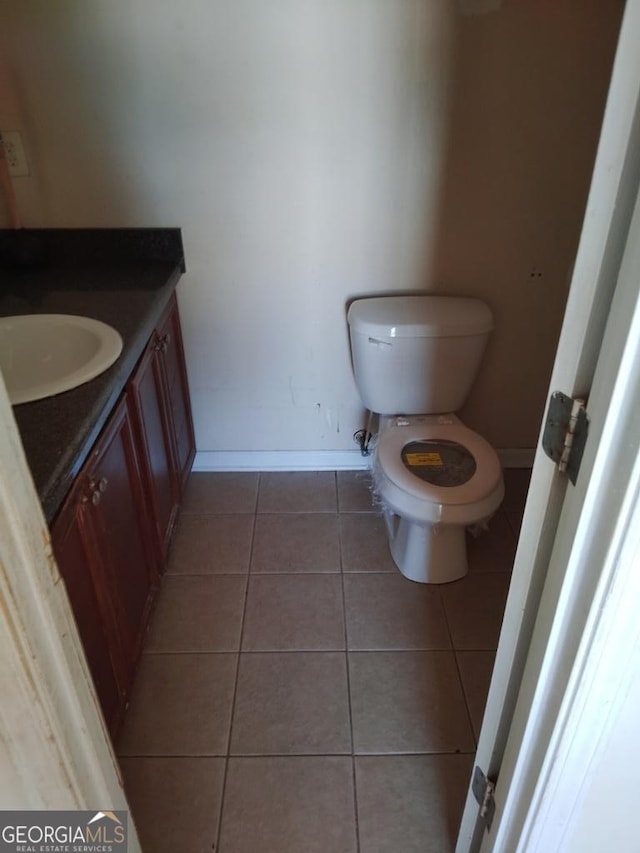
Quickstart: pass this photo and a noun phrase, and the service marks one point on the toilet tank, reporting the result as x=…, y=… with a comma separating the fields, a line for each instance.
x=417, y=354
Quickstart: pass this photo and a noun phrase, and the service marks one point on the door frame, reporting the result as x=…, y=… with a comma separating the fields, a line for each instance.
x=55, y=752
x=590, y=572
x=607, y=220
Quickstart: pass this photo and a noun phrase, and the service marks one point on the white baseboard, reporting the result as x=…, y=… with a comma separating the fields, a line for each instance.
x=315, y=460
x=280, y=460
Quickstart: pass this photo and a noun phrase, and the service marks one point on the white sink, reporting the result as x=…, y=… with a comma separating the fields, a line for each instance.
x=45, y=354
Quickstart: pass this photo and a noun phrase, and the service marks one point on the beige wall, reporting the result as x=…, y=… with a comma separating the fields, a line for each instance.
x=530, y=83
x=314, y=150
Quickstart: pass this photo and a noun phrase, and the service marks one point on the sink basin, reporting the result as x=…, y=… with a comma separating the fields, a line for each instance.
x=45, y=354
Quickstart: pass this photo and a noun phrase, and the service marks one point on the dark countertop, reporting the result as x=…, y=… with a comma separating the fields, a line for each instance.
x=121, y=289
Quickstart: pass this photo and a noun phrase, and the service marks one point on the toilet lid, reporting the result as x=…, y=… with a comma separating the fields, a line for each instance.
x=445, y=463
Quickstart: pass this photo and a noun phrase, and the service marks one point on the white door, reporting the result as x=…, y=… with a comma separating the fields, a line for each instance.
x=557, y=725
x=552, y=526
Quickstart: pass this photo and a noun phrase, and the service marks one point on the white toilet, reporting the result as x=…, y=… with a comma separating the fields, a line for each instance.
x=415, y=359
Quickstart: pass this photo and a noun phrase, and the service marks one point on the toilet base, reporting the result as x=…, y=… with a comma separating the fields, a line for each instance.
x=427, y=553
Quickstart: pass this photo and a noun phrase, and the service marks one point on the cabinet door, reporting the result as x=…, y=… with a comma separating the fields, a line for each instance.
x=120, y=522
x=170, y=339
x=72, y=546
x=153, y=430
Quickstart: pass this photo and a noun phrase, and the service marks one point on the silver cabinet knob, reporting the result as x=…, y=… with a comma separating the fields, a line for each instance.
x=97, y=488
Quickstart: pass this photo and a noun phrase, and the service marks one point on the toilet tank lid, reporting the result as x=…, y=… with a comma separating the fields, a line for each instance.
x=422, y=316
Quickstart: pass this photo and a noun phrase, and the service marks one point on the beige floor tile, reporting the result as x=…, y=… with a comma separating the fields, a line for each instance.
x=214, y=544
x=407, y=702
x=180, y=705
x=296, y=542
x=294, y=612
x=198, y=613
x=290, y=783
x=475, y=671
x=411, y=803
x=475, y=607
x=298, y=491
x=516, y=486
x=354, y=491
x=387, y=611
x=175, y=802
x=291, y=703
x=492, y=550
x=289, y=805
x=364, y=544
x=220, y=492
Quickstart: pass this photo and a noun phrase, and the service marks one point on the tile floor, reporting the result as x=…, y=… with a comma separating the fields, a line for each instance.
x=296, y=694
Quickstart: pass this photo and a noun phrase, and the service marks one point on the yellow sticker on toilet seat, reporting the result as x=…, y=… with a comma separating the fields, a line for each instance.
x=417, y=459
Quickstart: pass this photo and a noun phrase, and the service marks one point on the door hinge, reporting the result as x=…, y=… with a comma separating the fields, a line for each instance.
x=483, y=790
x=565, y=433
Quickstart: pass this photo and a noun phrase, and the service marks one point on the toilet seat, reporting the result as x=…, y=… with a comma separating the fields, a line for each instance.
x=408, y=495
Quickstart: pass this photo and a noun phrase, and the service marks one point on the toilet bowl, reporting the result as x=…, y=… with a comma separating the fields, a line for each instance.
x=434, y=478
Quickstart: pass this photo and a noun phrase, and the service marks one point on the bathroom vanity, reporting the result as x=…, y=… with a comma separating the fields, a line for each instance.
x=110, y=458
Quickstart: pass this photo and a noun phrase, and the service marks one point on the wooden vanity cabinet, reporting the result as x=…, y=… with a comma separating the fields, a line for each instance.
x=121, y=526
x=73, y=546
x=162, y=419
x=153, y=433
x=179, y=401
x=102, y=543
x=112, y=535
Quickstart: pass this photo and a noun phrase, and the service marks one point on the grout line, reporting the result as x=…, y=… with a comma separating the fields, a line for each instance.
x=199, y=513
x=246, y=513
x=297, y=512
x=319, y=651
x=446, y=615
x=259, y=574
x=457, y=665
x=311, y=651
x=356, y=815
x=345, y=755
x=348, y=673
x=205, y=575
x=215, y=846
x=230, y=574
x=466, y=698
x=204, y=755
x=237, y=651
x=409, y=753
x=403, y=649
x=235, y=686
x=193, y=652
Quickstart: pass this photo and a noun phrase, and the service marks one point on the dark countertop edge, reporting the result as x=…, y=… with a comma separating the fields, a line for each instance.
x=53, y=492
x=44, y=248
